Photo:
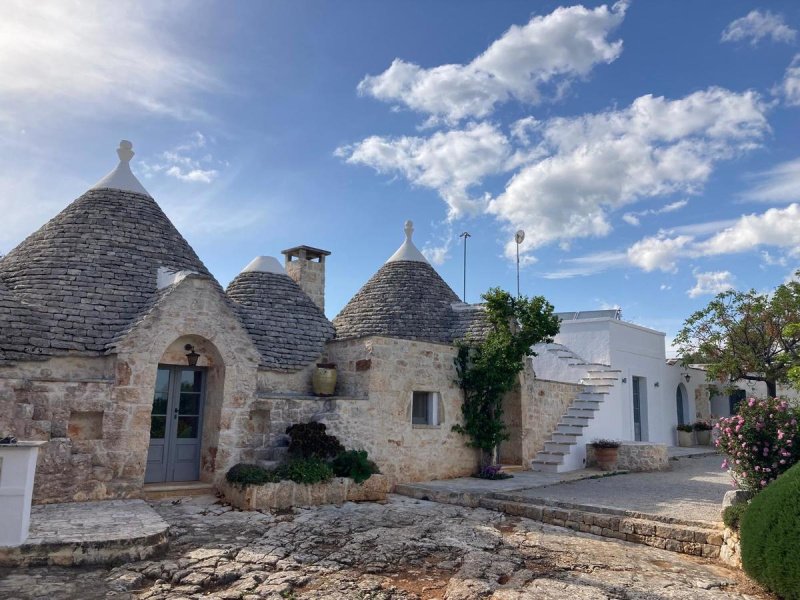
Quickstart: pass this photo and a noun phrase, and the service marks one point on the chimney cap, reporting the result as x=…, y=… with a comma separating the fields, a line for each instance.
x=308, y=251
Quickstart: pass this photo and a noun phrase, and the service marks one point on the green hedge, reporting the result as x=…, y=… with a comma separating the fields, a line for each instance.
x=770, y=536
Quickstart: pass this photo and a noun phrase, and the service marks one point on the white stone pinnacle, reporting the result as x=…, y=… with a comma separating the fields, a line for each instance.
x=264, y=264
x=122, y=178
x=408, y=251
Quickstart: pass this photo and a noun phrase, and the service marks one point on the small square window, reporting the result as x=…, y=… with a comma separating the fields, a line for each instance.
x=425, y=409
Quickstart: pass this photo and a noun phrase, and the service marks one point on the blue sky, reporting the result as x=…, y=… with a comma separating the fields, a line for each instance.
x=648, y=149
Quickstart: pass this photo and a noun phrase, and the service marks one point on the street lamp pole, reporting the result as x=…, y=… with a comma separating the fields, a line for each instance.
x=518, y=237
x=465, y=235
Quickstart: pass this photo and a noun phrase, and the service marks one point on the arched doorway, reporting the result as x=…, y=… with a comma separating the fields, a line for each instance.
x=682, y=404
x=185, y=414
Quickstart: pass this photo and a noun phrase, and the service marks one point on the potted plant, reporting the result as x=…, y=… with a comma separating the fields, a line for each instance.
x=685, y=436
x=606, y=453
x=323, y=381
x=702, y=430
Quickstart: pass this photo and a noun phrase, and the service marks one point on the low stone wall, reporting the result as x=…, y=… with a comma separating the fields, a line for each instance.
x=636, y=456
x=288, y=494
x=731, y=551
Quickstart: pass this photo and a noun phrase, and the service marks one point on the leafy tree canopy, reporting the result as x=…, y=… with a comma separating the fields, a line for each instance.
x=488, y=370
x=746, y=335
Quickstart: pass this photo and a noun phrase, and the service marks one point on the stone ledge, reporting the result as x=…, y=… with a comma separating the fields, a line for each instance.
x=89, y=533
x=636, y=457
x=311, y=397
x=288, y=494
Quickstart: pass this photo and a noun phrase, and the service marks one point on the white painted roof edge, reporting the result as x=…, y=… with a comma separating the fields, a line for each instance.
x=408, y=251
x=264, y=264
x=122, y=178
x=166, y=276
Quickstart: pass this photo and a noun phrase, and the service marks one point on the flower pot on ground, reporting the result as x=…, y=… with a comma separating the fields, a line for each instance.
x=323, y=381
x=685, y=436
x=702, y=430
x=606, y=453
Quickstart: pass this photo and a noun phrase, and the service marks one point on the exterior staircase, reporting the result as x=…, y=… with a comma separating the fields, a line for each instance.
x=564, y=450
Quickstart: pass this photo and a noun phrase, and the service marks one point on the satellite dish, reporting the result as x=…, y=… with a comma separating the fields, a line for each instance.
x=519, y=236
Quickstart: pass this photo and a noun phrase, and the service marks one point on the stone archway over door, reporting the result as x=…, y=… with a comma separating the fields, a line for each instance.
x=176, y=424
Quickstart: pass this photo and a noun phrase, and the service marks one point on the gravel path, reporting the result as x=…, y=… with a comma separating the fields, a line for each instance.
x=692, y=490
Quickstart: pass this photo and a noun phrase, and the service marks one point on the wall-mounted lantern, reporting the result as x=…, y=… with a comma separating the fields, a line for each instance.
x=656, y=384
x=687, y=377
x=624, y=380
x=191, y=355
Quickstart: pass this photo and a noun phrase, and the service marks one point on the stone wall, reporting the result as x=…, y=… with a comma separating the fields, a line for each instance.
x=543, y=404
x=636, y=456
x=389, y=370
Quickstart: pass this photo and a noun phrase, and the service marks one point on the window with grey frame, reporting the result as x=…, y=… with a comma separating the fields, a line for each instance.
x=425, y=409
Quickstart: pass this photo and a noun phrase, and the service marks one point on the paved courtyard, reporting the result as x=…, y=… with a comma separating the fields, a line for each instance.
x=403, y=549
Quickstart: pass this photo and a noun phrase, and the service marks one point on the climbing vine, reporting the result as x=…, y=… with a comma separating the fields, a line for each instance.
x=489, y=369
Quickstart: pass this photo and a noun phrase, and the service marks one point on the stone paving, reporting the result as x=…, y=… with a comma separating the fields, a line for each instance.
x=89, y=533
x=404, y=549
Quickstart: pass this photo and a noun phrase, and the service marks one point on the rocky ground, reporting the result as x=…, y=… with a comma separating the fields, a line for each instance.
x=405, y=549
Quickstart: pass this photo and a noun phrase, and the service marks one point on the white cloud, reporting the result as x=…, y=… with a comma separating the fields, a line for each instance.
x=779, y=227
x=664, y=287
x=633, y=218
x=95, y=58
x=710, y=283
x=759, y=25
x=449, y=162
x=183, y=162
x=779, y=184
x=603, y=161
x=658, y=252
x=550, y=49
x=587, y=265
x=789, y=88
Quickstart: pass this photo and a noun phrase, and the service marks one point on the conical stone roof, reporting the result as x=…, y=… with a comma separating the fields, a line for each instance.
x=92, y=269
x=405, y=299
x=288, y=328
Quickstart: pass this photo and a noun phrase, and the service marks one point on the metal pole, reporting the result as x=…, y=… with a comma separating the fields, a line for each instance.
x=465, y=235
x=518, y=237
x=517, y=270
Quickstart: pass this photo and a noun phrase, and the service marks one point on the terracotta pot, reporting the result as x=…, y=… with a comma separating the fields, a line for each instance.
x=323, y=381
x=703, y=437
x=606, y=458
x=685, y=438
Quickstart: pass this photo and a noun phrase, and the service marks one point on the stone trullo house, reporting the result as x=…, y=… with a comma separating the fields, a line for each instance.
x=119, y=348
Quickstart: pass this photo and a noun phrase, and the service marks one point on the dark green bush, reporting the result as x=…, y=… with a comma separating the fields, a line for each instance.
x=732, y=515
x=309, y=440
x=770, y=536
x=244, y=474
x=354, y=464
x=305, y=470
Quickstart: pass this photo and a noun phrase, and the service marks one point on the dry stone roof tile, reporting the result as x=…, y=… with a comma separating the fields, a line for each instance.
x=287, y=327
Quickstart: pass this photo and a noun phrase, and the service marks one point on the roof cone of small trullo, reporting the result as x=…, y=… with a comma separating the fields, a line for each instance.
x=288, y=329
x=92, y=269
x=406, y=299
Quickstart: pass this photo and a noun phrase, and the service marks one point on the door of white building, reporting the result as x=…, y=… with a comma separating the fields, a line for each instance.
x=637, y=409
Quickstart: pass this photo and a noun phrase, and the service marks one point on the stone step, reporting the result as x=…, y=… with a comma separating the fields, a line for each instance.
x=543, y=467
x=592, y=405
x=569, y=419
x=570, y=428
x=592, y=396
x=581, y=412
x=568, y=438
x=601, y=380
x=560, y=447
x=512, y=468
x=177, y=489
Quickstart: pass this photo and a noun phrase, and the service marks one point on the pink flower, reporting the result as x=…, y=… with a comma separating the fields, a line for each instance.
x=751, y=402
x=725, y=464
x=763, y=483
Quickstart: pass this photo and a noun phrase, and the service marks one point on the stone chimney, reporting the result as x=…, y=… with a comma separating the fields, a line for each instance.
x=306, y=265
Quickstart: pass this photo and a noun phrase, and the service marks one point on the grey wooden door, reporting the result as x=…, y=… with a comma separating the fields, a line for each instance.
x=637, y=409
x=176, y=425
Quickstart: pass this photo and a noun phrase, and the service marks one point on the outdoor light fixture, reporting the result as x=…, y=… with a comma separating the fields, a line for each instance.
x=624, y=380
x=518, y=237
x=656, y=384
x=191, y=355
x=687, y=377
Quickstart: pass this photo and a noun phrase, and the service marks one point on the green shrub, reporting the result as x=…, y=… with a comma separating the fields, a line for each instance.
x=355, y=465
x=770, y=536
x=305, y=470
x=244, y=474
x=309, y=440
x=732, y=515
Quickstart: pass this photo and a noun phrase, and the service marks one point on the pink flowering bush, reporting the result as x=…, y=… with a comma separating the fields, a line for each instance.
x=760, y=442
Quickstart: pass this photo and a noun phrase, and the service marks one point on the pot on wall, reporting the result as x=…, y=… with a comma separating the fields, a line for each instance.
x=685, y=438
x=606, y=458
x=703, y=437
x=323, y=381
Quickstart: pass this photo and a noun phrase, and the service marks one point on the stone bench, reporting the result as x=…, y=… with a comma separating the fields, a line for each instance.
x=636, y=456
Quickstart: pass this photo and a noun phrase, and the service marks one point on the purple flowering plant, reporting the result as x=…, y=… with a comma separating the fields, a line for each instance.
x=760, y=442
